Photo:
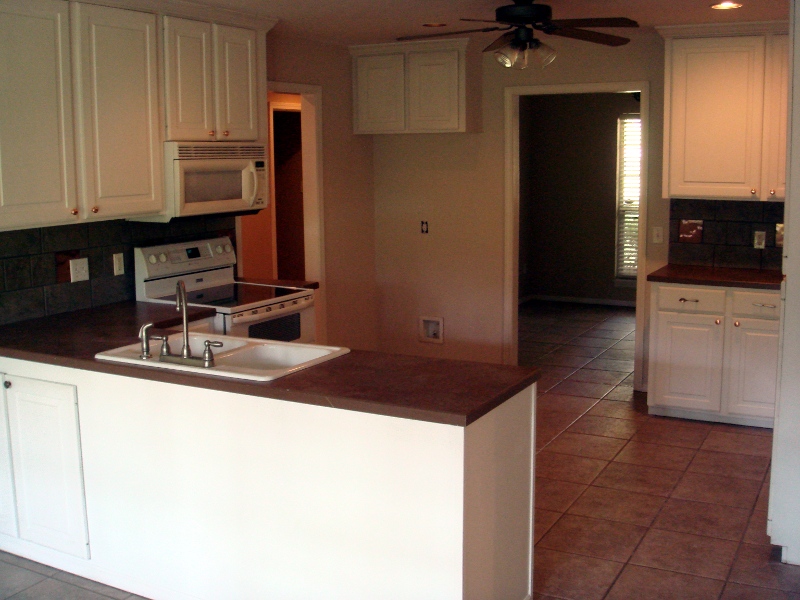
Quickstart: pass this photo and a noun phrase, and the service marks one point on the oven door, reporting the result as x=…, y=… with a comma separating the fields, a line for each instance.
x=296, y=324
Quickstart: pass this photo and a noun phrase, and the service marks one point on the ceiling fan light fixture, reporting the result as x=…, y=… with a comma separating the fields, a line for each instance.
x=543, y=52
x=513, y=56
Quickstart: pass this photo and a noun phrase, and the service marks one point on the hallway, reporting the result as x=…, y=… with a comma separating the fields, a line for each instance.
x=630, y=506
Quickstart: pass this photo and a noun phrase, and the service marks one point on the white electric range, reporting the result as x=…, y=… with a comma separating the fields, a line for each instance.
x=244, y=309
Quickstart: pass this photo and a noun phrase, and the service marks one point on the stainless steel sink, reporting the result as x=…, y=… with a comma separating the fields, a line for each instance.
x=238, y=358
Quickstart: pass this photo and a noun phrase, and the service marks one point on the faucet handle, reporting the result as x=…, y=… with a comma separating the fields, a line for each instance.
x=208, y=355
x=164, y=339
x=144, y=333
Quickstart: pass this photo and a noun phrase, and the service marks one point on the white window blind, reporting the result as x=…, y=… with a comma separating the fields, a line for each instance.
x=629, y=177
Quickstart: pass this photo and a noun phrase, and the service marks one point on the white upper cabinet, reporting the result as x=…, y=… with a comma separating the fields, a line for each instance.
x=413, y=87
x=37, y=156
x=725, y=117
x=118, y=126
x=210, y=81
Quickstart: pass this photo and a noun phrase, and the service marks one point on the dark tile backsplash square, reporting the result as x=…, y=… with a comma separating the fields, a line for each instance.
x=29, y=285
x=728, y=229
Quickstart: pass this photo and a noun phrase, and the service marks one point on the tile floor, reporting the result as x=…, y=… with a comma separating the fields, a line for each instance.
x=630, y=506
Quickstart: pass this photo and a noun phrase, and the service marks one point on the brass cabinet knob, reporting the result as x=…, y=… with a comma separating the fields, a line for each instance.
x=226, y=133
x=212, y=132
x=753, y=191
x=772, y=192
x=736, y=323
x=74, y=212
x=6, y=384
x=95, y=209
x=717, y=322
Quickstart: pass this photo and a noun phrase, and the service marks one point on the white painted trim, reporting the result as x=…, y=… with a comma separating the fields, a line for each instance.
x=313, y=205
x=720, y=30
x=511, y=212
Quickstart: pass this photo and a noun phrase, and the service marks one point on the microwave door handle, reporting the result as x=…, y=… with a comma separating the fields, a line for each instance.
x=252, y=170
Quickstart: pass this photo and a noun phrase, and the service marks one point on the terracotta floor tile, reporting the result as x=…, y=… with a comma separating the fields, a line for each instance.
x=611, y=364
x=757, y=529
x=556, y=495
x=621, y=393
x=656, y=455
x=763, y=495
x=668, y=434
x=635, y=478
x=616, y=428
x=560, y=402
x=617, y=505
x=546, y=434
x=565, y=467
x=543, y=520
x=610, y=334
x=547, y=417
x=593, y=537
x=591, y=446
x=598, y=376
x=582, y=388
x=737, y=591
x=738, y=443
x=742, y=429
x=592, y=342
x=701, y=487
x=617, y=354
x=686, y=553
x=625, y=345
x=639, y=583
x=731, y=465
x=580, y=351
x=571, y=576
x=619, y=410
x=701, y=518
x=760, y=566
x=564, y=360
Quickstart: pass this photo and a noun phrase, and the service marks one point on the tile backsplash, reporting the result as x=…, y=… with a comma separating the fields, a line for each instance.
x=30, y=287
x=727, y=233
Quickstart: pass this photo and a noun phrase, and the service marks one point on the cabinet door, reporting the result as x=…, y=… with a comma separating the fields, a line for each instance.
x=776, y=106
x=688, y=361
x=380, y=94
x=46, y=454
x=119, y=139
x=189, y=80
x=235, y=78
x=752, y=368
x=37, y=157
x=715, y=103
x=8, y=511
x=433, y=91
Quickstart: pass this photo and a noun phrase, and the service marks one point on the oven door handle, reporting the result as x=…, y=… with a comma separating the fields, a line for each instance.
x=245, y=317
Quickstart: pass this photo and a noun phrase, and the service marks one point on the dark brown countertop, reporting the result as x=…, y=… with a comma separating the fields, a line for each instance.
x=745, y=278
x=426, y=389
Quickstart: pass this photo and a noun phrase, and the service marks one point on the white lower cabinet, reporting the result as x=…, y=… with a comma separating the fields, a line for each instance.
x=41, y=473
x=714, y=353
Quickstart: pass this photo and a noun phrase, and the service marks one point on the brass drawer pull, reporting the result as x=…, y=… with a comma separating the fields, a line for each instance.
x=682, y=300
x=764, y=305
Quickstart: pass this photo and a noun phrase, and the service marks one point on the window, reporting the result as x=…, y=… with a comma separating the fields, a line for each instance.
x=629, y=167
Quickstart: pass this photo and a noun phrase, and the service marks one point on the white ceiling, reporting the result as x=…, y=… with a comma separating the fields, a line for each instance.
x=349, y=22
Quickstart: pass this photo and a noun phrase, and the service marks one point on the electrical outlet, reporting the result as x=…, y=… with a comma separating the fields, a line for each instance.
x=119, y=264
x=658, y=235
x=423, y=227
x=431, y=329
x=759, y=239
x=79, y=269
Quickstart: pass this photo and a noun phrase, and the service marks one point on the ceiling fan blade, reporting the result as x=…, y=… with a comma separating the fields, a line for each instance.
x=500, y=42
x=480, y=20
x=610, y=22
x=423, y=36
x=590, y=36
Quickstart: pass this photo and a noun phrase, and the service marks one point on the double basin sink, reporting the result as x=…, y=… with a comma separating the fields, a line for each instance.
x=239, y=358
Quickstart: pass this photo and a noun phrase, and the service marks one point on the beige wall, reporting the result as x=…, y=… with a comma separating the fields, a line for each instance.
x=455, y=182
x=347, y=187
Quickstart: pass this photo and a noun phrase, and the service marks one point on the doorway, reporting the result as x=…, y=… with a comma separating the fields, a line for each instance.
x=513, y=98
x=286, y=241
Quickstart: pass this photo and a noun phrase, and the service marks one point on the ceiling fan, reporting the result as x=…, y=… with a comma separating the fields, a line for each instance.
x=519, y=20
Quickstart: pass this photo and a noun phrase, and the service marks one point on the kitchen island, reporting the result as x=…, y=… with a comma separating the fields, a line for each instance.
x=369, y=476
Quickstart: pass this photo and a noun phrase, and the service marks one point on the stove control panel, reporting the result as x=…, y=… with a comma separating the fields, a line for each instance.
x=184, y=257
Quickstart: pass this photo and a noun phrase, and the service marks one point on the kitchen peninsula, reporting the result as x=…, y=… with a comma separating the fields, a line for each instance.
x=371, y=475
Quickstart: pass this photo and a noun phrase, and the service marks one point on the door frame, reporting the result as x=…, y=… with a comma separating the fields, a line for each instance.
x=511, y=212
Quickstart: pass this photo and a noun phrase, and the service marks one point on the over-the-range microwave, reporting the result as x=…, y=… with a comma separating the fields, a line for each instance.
x=202, y=178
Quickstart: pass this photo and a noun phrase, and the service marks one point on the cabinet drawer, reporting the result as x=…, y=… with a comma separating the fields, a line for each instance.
x=691, y=299
x=757, y=304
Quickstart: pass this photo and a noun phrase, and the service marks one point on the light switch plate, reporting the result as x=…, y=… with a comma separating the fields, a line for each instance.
x=119, y=264
x=658, y=235
x=759, y=239
x=79, y=269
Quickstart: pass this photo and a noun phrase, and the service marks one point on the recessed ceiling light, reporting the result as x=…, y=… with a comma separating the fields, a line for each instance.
x=434, y=24
x=726, y=5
